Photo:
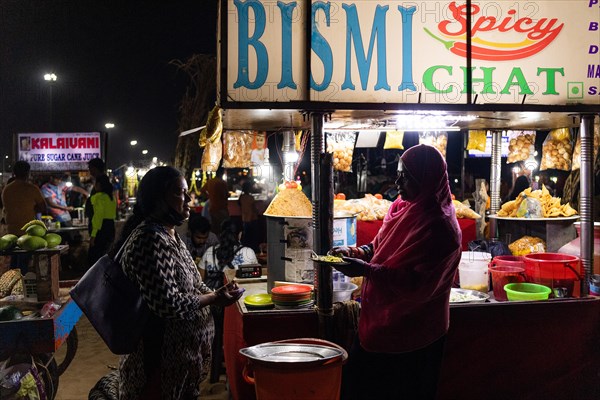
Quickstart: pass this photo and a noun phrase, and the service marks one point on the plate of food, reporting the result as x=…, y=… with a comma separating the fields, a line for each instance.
x=460, y=296
x=330, y=260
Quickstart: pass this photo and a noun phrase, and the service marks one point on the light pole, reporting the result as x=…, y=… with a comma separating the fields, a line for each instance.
x=50, y=78
x=4, y=168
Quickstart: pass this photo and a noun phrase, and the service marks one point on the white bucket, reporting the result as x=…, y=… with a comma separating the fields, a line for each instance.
x=473, y=270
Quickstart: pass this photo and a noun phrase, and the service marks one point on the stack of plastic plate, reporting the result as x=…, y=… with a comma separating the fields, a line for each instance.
x=291, y=297
x=259, y=301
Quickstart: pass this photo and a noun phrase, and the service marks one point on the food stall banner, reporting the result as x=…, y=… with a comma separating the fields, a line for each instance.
x=376, y=51
x=59, y=151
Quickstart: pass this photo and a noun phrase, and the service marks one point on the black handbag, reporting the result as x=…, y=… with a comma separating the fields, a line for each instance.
x=113, y=304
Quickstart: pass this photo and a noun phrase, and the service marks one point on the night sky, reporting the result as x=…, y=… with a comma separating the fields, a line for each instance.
x=112, y=62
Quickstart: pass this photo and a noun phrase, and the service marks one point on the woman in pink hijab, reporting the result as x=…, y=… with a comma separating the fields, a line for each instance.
x=408, y=272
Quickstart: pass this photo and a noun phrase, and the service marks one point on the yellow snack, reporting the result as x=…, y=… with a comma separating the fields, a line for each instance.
x=393, y=140
x=527, y=245
x=290, y=202
x=476, y=140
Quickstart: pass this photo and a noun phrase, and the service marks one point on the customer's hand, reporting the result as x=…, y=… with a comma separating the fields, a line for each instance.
x=228, y=294
x=340, y=251
x=356, y=267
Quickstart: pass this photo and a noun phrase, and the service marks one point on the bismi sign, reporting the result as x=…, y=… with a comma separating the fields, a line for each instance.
x=543, y=52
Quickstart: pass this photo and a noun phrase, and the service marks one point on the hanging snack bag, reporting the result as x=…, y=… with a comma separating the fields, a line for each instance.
x=439, y=140
x=393, y=140
x=556, y=150
x=476, y=140
x=211, y=158
x=237, y=148
x=341, y=144
x=577, y=150
x=520, y=146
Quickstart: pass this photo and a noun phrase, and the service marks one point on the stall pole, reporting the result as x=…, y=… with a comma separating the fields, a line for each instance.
x=495, y=180
x=586, y=204
x=322, y=207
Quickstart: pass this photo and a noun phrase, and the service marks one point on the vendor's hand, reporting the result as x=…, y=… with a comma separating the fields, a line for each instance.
x=356, y=267
x=340, y=251
x=228, y=294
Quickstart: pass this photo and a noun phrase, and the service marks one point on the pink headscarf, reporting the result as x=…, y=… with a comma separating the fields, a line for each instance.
x=416, y=253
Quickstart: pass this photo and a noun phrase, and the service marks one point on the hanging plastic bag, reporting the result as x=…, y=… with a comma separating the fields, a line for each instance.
x=439, y=140
x=211, y=157
x=577, y=150
x=341, y=144
x=556, y=150
x=476, y=140
x=213, y=128
x=520, y=146
x=393, y=140
x=237, y=148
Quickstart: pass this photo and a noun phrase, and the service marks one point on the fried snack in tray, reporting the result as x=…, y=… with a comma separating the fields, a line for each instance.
x=527, y=245
x=289, y=202
x=369, y=208
x=464, y=211
x=551, y=206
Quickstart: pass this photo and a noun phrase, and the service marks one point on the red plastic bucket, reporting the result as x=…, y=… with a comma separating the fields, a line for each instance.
x=505, y=270
x=553, y=270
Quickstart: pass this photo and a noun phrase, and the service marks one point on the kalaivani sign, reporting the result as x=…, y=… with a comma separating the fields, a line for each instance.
x=522, y=52
x=59, y=151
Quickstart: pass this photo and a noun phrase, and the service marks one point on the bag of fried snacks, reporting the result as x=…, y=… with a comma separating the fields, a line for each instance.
x=439, y=140
x=556, y=150
x=341, y=144
x=530, y=208
x=464, y=211
x=527, y=245
x=393, y=140
x=476, y=140
x=211, y=157
x=214, y=127
x=576, y=164
x=237, y=148
x=520, y=146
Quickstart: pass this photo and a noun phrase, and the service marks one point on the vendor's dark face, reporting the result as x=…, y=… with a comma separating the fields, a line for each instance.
x=408, y=187
x=199, y=238
x=178, y=197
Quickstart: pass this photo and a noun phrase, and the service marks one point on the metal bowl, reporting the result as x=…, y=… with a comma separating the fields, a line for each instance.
x=289, y=353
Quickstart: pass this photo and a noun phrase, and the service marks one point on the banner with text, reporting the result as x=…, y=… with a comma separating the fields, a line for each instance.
x=59, y=151
x=377, y=51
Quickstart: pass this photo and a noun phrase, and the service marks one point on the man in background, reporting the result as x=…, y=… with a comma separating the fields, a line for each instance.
x=97, y=168
x=22, y=201
x=215, y=189
x=55, y=194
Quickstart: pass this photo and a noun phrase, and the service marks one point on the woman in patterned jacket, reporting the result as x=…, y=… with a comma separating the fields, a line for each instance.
x=173, y=357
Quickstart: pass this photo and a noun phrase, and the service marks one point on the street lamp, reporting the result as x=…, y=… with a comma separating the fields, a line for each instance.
x=50, y=78
x=133, y=142
x=144, y=152
x=109, y=125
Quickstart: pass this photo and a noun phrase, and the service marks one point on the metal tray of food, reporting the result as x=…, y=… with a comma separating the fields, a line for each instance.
x=461, y=296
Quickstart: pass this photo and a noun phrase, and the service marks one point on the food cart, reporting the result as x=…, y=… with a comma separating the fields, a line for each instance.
x=452, y=66
x=41, y=332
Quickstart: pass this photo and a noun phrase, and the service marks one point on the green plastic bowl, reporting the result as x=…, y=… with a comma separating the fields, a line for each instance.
x=526, y=291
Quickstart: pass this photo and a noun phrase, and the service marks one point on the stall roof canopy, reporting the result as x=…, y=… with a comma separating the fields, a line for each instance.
x=354, y=119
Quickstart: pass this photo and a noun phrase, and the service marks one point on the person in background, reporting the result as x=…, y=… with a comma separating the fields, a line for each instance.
x=173, y=356
x=520, y=183
x=229, y=253
x=103, y=219
x=250, y=228
x=199, y=238
x=97, y=168
x=54, y=192
x=22, y=201
x=406, y=287
x=217, y=193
